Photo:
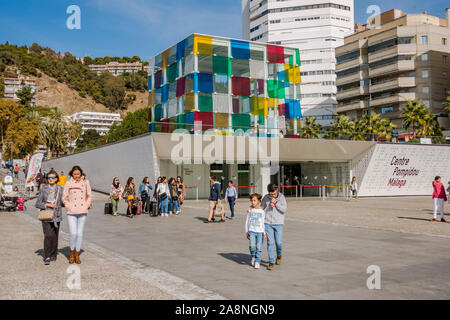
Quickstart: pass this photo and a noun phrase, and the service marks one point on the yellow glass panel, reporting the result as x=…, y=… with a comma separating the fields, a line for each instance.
x=297, y=76
x=151, y=99
x=165, y=59
x=203, y=45
x=190, y=102
x=221, y=120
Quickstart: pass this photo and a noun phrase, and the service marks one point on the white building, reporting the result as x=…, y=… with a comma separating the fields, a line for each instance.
x=315, y=27
x=100, y=122
x=116, y=68
x=12, y=85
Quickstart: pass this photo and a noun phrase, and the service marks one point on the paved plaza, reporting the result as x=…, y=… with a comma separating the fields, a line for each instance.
x=328, y=246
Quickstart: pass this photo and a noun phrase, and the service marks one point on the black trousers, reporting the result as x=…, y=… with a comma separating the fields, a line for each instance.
x=50, y=239
x=145, y=204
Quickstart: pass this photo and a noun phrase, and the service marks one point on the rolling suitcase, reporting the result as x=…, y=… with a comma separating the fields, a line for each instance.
x=139, y=207
x=108, y=208
x=153, y=209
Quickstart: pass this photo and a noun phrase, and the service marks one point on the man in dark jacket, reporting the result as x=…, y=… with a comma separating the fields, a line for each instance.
x=215, y=197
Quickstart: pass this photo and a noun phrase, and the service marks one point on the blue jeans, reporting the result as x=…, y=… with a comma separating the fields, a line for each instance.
x=164, y=205
x=274, y=237
x=256, y=244
x=173, y=205
x=231, y=202
x=76, y=229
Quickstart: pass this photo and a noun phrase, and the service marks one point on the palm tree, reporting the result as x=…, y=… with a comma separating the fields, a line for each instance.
x=377, y=127
x=341, y=128
x=310, y=129
x=447, y=105
x=74, y=131
x=413, y=113
x=54, y=131
x=359, y=129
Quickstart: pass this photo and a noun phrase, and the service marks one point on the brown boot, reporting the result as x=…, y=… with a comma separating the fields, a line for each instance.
x=77, y=257
x=72, y=256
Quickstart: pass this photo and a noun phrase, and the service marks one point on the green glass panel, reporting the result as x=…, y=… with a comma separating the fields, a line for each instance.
x=180, y=121
x=205, y=102
x=221, y=65
x=172, y=73
x=240, y=120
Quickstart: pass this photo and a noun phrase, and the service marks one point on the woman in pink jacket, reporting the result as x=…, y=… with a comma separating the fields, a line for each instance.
x=439, y=196
x=77, y=198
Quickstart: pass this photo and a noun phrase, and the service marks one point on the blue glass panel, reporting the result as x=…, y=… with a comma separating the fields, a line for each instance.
x=204, y=83
x=180, y=50
x=240, y=49
x=165, y=93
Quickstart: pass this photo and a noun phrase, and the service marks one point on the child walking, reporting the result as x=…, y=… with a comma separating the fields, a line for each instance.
x=255, y=229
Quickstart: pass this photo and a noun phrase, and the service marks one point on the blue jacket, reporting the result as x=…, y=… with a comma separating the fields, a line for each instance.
x=231, y=192
x=143, y=187
x=215, y=193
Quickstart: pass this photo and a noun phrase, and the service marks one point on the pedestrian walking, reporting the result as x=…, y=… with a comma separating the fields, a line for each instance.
x=231, y=196
x=448, y=190
x=255, y=229
x=181, y=193
x=163, y=194
x=3, y=164
x=439, y=197
x=129, y=195
x=115, y=193
x=353, y=189
x=50, y=197
x=62, y=179
x=215, y=198
x=144, y=193
x=173, y=201
x=77, y=198
x=275, y=207
x=16, y=171
x=155, y=195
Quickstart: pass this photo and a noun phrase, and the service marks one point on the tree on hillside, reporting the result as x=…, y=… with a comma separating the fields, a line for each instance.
x=134, y=124
x=2, y=88
x=114, y=92
x=89, y=139
x=25, y=95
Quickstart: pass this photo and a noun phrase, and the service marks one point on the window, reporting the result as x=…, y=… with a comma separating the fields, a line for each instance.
x=444, y=59
x=424, y=39
x=444, y=41
x=425, y=57
x=426, y=89
x=426, y=103
x=425, y=74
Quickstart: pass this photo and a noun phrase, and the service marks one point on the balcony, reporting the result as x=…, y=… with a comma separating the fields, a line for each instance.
x=352, y=106
x=355, y=77
x=349, y=64
x=401, y=49
x=403, y=82
x=402, y=65
x=393, y=99
x=355, y=92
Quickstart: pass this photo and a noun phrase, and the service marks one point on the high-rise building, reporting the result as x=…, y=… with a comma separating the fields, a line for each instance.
x=398, y=57
x=316, y=28
x=116, y=68
x=12, y=85
x=98, y=121
x=227, y=85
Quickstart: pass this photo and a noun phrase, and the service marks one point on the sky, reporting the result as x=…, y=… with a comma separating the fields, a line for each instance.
x=142, y=27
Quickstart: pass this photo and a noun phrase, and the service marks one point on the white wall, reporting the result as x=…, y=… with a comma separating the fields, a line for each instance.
x=131, y=158
x=428, y=160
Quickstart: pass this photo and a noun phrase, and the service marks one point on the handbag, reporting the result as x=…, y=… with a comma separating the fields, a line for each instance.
x=163, y=196
x=130, y=197
x=115, y=196
x=48, y=214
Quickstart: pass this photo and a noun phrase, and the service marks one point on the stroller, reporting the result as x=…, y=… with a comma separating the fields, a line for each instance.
x=8, y=202
x=21, y=204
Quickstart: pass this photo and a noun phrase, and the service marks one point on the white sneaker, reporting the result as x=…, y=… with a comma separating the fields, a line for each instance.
x=256, y=265
x=253, y=261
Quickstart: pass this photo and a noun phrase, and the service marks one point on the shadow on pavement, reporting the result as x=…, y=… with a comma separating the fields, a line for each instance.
x=241, y=258
x=413, y=218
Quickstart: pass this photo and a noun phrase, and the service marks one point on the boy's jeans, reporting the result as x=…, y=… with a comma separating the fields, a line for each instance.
x=76, y=229
x=256, y=244
x=274, y=237
x=231, y=202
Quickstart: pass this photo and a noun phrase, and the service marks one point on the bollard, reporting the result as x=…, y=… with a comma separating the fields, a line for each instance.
x=301, y=192
x=324, y=190
x=196, y=191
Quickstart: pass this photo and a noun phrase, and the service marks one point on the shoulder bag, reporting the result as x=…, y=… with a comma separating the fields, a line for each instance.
x=48, y=214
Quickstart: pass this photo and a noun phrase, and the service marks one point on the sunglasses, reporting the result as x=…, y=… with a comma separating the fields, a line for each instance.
x=51, y=178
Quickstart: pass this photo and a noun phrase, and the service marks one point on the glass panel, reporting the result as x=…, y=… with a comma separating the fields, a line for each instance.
x=221, y=65
x=172, y=72
x=257, y=69
x=240, y=49
x=205, y=83
x=241, y=86
x=221, y=103
x=205, y=102
x=275, y=54
x=190, y=102
x=257, y=55
x=205, y=63
x=172, y=108
x=220, y=50
x=240, y=68
x=190, y=83
x=221, y=120
x=203, y=45
x=220, y=83
x=188, y=65
x=172, y=90
x=181, y=87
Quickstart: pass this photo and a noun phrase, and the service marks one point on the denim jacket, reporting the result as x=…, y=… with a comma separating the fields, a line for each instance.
x=42, y=200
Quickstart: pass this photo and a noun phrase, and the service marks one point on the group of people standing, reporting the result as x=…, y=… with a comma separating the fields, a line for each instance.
x=169, y=195
x=76, y=197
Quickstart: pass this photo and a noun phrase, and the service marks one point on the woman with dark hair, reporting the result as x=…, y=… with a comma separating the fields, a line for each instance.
x=50, y=197
x=130, y=196
x=77, y=198
x=115, y=193
x=163, y=196
x=155, y=194
x=181, y=193
x=439, y=196
x=173, y=201
x=144, y=192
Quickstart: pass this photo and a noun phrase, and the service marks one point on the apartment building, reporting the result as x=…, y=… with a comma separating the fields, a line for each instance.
x=100, y=122
x=316, y=28
x=396, y=58
x=116, y=68
x=12, y=85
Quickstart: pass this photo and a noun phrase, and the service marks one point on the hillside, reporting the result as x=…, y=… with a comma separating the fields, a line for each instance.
x=51, y=93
